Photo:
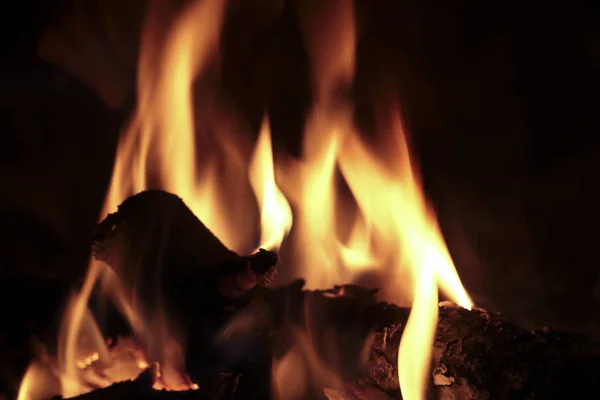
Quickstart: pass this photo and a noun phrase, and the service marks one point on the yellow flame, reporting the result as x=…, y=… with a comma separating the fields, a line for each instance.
x=328, y=28
x=84, y=360
x=392, y=228
x=390, y=197
x=393, y=210
x=160, y=139
x=276, y=213
x=39, y=382
x=70, y=347
x=414, y=353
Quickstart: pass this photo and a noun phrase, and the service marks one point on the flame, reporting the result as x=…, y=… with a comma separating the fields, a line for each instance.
x=85, y=361
x=310, y=183
x=391, y=228
x=160, y=139
x=276, y=213
x=301, y=365
x=77, y=320
x=39, y=381
x=289, y=376
x=159, y=145
x=393, y=211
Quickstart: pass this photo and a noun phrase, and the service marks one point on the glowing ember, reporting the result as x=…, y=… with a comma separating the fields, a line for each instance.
x=85, y=361
x=394, y=232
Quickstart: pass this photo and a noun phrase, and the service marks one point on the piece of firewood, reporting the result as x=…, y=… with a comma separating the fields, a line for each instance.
x=476, y=355
x=236, y=326
x=154, y=237
x=156, y=226
x=166, y=257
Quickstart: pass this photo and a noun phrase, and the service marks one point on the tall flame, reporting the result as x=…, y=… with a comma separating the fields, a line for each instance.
x=160, y=139
x=401, y=213
x=70, y=348
x=328, y=28
x=393, y=210
x=391, y=229
x=85, y=361
x=158, y=143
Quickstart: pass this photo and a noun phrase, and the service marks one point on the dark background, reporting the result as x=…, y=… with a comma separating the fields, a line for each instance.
x=500, y=99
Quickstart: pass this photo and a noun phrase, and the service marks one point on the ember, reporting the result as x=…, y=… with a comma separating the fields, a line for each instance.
x=181, y=265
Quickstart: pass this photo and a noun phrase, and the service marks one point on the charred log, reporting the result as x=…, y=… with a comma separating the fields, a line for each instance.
x=235, y=324
x=159, y=247
x=155, y=235
x=476, y=355
x=156, y=226
x=166, y=257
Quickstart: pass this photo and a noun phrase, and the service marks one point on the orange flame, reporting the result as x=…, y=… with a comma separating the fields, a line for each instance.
x=85, y=361
x=39, y=381
x=161, y=136
x=276, y=213
x=328, y=28
x=393, y=210
x=291, y=373
x=392, y=229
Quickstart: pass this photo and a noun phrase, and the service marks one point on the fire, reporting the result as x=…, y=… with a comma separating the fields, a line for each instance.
x=299, y=364
x=160, y=140
x=400, y=213
x=85, y=361
x=39, y=381
x=276, y=213
x=392, y=228
x=331, y=48
x=393, y=211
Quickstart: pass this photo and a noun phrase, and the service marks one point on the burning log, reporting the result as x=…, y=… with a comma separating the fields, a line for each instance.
x=161, y=250
x=477, y=354
x=157, y=226
x=238, y=325
x=158, y=246
x=141, y=388
x=154, y=237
